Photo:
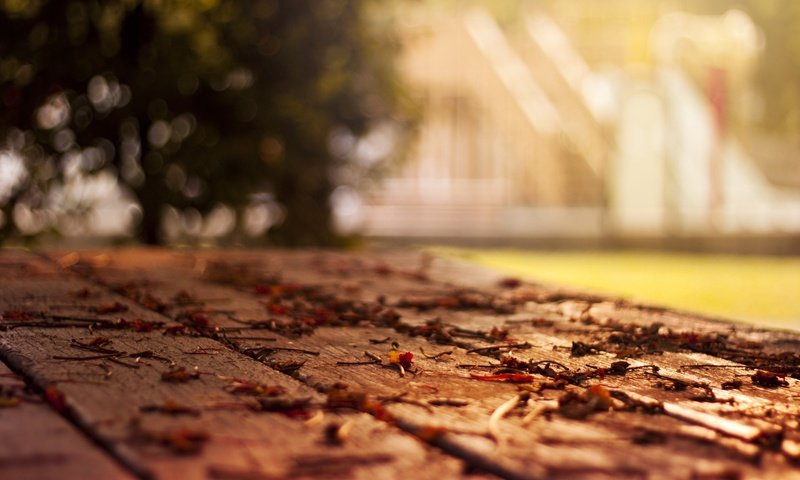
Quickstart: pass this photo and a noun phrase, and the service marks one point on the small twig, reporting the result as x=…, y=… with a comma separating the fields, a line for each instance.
x=472, y=366
x=437, y=355
x=654, y=368
x=679, y=383
x=204, y=351
x=708, y=365
x=547, y=364
x=95, y=349
x=373, y=357
x=261, y=352
x=263, y=339
x=315, y=419
x=448, y=402
x=400, y=398
x=495, y=348
x=722, y=425
x=148, y=354
x=499, y=413
x=719, y=424
x=124, y=364
x=107, y=370
x=379, y=341
x=90, y=357
x=538, y=410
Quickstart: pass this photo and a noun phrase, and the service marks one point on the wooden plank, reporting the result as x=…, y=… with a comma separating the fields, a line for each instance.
x=114, y=395
x=36, y=442
x=169, y=286
x=622, y=443
x=692, y=364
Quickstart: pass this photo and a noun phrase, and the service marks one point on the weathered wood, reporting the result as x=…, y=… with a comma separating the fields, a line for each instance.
x=36, y=442
x=169, y=284
x=115, y=397
x=687, y=439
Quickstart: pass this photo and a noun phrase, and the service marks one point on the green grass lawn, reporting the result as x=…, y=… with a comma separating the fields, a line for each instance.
x=760, y=290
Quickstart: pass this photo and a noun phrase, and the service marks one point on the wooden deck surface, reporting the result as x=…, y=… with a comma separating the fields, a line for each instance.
x=251, y=365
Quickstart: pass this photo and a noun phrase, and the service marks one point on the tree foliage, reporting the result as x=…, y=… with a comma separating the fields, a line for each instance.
x=190, y=104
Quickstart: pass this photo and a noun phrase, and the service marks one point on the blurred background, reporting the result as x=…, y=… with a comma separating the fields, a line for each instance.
x=593, y=137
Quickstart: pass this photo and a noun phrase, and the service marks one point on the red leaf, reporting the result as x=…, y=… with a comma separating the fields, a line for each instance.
x=278, y=309
x=406, y=359
x=55, y=398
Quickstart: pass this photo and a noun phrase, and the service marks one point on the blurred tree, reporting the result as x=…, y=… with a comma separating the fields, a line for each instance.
x=192, y=104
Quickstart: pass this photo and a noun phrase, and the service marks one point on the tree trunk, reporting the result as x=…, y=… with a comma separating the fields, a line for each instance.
x=151, y=193
x=149, y=231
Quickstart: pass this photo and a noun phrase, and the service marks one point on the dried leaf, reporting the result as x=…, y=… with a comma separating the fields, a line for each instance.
x=595, y=399
x=55, y=398
x=580, y=349
x=732, y=385
x=768, y=379
x=179, y=375
x=405, y=359
x=238, y=387
x=182, y=441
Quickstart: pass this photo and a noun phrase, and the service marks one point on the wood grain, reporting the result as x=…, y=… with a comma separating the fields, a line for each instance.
x=36, y=442
x=688, y=439
x=110, y=400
